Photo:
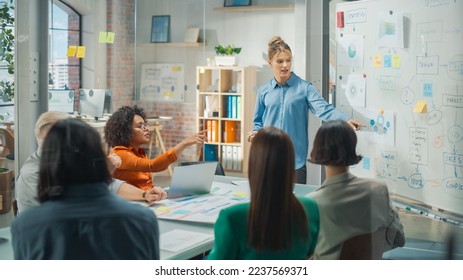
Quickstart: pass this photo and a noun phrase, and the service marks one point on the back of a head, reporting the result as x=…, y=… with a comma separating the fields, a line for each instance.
x=335, y=144
x=273, y=208
x=271, y=161
x=71, y=154
x=45, y=122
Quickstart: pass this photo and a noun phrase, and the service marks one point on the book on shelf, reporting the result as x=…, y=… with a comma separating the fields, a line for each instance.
x=209, y=130
x=230, y=131
x=234, y=107
x=215, y=131
x=210, y=152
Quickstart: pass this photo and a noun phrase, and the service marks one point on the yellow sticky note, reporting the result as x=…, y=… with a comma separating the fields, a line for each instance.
x=110, y=37
x=377, y=61
x=103, y=36
x=240, y=194
x=71, y=51
x=396, y=61
x=420, y=107
x=80, y=52
x=381, y=111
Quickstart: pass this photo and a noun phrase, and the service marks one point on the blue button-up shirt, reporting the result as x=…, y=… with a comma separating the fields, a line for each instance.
x=287, y=107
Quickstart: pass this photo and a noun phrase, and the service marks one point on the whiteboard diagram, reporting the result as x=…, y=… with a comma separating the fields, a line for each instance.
x=413, y=103
x=162, y=82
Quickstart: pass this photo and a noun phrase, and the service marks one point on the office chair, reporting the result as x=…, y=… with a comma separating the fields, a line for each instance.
x=369, y=246
x=218, y=171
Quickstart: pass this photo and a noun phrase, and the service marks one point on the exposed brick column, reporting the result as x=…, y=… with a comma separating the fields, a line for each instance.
x=121, y=54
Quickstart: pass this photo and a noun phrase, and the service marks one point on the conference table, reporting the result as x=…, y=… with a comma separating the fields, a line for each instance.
x=416, y=247
x=166, y=226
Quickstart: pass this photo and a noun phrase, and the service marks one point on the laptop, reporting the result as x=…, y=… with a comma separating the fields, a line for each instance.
x=191, y=180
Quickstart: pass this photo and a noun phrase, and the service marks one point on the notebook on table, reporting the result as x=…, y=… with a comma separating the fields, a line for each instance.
x=191, y=180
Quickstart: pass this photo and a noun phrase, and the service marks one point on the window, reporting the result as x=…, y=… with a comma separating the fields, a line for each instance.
x=65, y=25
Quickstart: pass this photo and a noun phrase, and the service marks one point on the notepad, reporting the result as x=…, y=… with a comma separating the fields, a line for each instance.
x=177, y=240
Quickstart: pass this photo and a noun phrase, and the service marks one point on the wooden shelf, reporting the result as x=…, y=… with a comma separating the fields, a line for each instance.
x=254, y=8
x=174, y=45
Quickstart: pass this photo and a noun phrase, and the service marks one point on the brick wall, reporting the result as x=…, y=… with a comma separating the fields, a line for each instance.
x=121, y=79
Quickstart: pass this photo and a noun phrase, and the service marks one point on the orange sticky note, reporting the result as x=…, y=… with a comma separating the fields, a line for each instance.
x=102, y=38
x=420, y=107
x=377, y=61
x=381, y=111
x=71, y=51
x=80, y=52
x=110, y=37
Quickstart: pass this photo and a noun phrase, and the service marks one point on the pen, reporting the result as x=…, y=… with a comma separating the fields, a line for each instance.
x=414, y=210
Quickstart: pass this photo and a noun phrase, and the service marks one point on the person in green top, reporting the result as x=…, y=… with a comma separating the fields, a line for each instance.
x=275, y=224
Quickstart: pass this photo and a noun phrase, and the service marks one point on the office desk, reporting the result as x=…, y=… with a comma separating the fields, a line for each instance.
x=6, y=250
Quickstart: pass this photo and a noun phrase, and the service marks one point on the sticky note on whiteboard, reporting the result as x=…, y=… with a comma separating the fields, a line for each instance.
x=420, y=107
x=366, y=163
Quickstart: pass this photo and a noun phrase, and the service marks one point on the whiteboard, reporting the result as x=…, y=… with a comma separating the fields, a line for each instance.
x=399, y=70
x=162, y=82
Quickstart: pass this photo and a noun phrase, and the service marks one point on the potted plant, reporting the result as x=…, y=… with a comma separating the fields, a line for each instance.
x=226, y=55
x=7, y=48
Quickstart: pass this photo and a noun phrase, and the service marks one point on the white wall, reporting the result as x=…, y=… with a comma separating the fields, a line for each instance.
x=249, y=30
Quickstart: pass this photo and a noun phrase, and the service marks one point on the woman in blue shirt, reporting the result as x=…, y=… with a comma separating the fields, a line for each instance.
x=285, y=102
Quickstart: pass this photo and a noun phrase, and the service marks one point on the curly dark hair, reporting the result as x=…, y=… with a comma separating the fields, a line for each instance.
x=118, y=129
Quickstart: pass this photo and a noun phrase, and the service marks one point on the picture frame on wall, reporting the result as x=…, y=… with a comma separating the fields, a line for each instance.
x=160, y=29
x=234, y=3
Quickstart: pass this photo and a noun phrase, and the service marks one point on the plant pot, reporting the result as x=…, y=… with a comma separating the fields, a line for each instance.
x=6, y=190
x=226, y=60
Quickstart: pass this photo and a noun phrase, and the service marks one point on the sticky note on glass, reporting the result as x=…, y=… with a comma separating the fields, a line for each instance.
x=71, y=51
x=103, y=36
x=420, y=107
x=396, y=61
x=377, y=61
x=387, y=61
x=110, y=37
x=366, y=163
x=80, y=52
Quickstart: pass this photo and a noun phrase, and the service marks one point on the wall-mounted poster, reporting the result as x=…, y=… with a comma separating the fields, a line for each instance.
x=162, y=82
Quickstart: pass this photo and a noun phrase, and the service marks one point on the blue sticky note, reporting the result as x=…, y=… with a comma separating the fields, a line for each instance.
x=427, y=89
x=366, y=163
x=387, y=60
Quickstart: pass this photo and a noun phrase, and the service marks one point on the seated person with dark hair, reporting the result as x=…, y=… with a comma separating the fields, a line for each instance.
x=126, y=131
x=26, y=184
x=349, y=205
x=78, y=217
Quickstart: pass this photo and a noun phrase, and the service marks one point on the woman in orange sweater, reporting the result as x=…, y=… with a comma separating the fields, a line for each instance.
x=126, y=131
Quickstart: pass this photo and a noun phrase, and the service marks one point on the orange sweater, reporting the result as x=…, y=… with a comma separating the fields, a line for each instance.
x=136, y=168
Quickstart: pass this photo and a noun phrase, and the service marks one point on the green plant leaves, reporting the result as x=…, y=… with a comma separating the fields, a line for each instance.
x=227, y=50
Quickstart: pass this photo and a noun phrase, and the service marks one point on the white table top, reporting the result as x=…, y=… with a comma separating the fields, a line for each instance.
x=6, y=250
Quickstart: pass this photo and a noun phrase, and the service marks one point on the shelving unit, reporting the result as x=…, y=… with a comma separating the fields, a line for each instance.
x=255, y=8
x=225, y=102
x=178, y=45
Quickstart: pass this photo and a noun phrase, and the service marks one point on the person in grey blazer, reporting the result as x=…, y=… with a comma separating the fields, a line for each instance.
x=349, y=205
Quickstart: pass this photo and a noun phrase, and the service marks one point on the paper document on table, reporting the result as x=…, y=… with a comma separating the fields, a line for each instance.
x=203, y=208
x=177, y=240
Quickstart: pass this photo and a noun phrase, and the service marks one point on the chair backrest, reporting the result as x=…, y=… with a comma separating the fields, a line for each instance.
x=369, y=246
x=218, y=171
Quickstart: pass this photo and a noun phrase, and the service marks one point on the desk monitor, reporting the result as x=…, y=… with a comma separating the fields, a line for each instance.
x=91, y=102
x=61, y=100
